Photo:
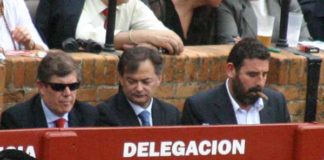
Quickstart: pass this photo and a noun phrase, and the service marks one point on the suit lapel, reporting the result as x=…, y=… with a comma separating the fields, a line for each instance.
x=39, y=119
x=265, y=114
x=74, y=120
x=247, y=12
x=223, y=107
x=127, y=116
x=157, y=114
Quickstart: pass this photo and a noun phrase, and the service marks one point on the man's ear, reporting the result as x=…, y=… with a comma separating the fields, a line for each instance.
x=160, y=79
x=230, y=70
x=120, y=79
x=40, y=86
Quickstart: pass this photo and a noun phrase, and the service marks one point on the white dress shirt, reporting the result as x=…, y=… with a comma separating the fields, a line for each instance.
x=51, y=117
x=138, y=109
x=250, y=116
x=132, y=15
x=16, y=14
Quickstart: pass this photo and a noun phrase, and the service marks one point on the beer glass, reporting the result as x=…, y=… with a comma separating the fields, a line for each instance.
x=265, y=29
x=293, y=31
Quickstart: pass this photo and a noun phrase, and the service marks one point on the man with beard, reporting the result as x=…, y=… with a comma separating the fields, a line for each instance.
x=243, y=98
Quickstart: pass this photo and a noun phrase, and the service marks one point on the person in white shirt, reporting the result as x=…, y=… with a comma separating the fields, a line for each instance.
x=84, y=19
x=17, y=31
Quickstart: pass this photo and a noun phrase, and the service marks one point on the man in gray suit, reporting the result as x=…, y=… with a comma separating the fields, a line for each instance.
x=238, y=18
x=243, y=98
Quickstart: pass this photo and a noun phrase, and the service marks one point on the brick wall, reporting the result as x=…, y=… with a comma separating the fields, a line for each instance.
x=198, y=69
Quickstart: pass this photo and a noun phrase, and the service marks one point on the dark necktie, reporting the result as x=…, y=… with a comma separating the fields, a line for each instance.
x=59, y=123
x=145, y=118
x=105, y=13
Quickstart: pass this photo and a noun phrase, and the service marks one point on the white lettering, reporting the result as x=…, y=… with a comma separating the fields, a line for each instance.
x=142, y=149
x=152, y=150
x=238, y=146
x=204, y=148
x=166, y=148
x=214, y=147
x=224, y=147
x=129, y=150
x=31, y=151
x=192, y=148
x=178, y=148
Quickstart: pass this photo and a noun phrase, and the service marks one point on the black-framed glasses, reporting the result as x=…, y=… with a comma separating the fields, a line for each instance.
x=61, y=86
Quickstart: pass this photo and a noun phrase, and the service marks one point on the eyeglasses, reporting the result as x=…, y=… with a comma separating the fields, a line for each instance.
x=61, y=87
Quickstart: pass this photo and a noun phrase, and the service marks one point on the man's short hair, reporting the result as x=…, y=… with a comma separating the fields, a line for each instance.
x=132, y=57
x=247, y=48
x=56, y=63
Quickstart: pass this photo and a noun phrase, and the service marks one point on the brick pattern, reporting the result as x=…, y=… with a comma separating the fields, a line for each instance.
x=198, y=69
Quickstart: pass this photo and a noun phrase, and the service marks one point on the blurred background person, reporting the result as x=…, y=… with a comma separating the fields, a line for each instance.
x=193, y=20
x=17, y=31
x=238, y=18
x=314, y=15
x=85, y=19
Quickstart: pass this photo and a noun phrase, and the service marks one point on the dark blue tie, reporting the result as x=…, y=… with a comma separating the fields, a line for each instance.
x=145, y=118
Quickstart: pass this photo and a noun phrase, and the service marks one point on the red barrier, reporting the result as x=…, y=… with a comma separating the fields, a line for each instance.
x=266, y=142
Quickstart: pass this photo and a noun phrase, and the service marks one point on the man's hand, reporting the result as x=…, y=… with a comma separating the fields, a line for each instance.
x=22, y=35
x=166, y=39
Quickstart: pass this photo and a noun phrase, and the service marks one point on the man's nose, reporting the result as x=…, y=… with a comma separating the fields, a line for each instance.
x=261, y=80
x=139, y=86
x=67, y=91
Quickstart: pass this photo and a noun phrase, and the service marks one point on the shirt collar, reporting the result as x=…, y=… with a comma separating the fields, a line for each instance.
x=257, y=105
x=50, y=116
x=138, y=109
x=100, y=6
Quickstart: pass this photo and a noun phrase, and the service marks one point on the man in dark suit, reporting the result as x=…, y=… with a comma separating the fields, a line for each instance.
x=139, y=71
x=242, y=99
x=56, y=104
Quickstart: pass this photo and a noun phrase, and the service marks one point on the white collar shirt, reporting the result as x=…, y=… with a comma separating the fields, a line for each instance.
x=132, y=15
x=250, y=116
x=51, y=117
x=138, y=109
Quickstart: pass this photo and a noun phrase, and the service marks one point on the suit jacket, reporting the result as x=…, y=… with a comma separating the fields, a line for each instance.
x=215, y=107
x=116, y=111
x=57, y=20
x=237, y=18
x=30, y=114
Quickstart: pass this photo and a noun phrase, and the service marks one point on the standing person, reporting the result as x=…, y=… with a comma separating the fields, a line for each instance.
x=17, y=31
x=139, y=73
x=238, y=18
x=58, y=79
x=85, y=19
x=243, y=98
x=314, y=16
x=193, y=21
